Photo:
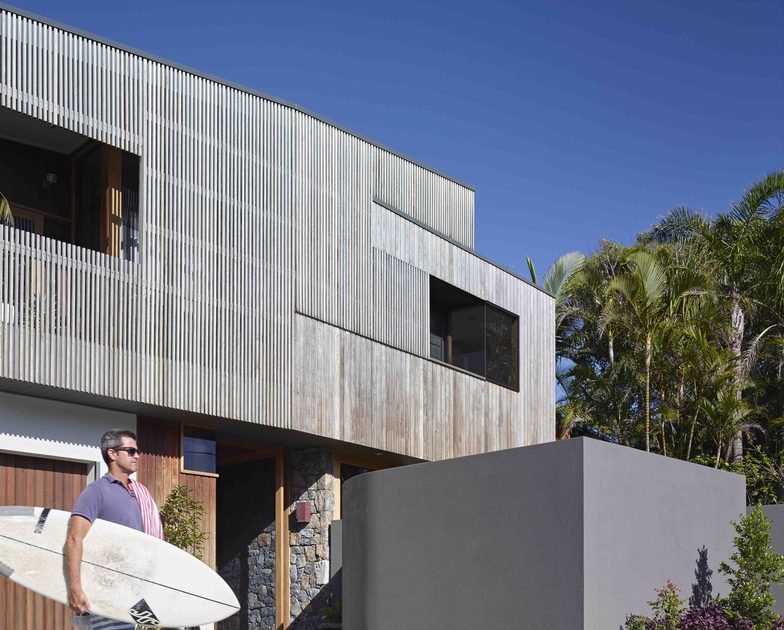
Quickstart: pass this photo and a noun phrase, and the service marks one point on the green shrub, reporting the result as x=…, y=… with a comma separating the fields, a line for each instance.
x=755, y=566
x=182, y=514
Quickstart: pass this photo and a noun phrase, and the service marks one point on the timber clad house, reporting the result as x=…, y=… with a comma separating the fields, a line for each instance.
x=273, y=303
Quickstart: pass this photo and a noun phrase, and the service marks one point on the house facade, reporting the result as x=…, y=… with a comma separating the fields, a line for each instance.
x=272, y=302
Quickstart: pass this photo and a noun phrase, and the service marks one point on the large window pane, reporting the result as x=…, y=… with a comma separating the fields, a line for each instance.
x=502, y=348
x=437, y=334
x=473, y=335
x=466, y=331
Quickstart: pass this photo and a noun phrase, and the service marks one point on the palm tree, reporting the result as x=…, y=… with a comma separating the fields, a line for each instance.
x=727, y=416
x=711, y=369
x=733, y=246
x=653, y=302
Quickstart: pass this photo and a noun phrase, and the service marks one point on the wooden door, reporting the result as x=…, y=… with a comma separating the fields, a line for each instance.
x=45, y=483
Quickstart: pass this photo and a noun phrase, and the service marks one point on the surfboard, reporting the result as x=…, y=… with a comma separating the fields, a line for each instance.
x=127, y=575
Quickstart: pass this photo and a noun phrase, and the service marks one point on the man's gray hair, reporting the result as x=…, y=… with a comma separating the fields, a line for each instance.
x=113, y=439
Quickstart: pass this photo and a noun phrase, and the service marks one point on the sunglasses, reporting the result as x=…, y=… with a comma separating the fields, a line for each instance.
x=133, y=452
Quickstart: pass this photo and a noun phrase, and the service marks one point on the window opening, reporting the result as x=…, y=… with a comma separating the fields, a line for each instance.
x=473, y=335
x=68, y=187
x=198, y=450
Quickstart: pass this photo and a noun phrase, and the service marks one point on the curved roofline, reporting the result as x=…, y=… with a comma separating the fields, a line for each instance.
x=236, y=86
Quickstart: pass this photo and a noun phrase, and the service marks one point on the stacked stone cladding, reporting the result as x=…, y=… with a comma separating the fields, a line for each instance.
x=246, y=547
x=310, y=479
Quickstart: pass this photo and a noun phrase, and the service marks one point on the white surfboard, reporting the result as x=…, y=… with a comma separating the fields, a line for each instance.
x=127, y=575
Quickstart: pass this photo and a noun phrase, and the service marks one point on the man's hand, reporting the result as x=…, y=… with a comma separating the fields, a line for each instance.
x=77, y=530
x=78, y=601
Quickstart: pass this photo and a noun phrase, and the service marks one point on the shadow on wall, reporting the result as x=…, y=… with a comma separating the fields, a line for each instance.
x=311, y=616
x=702, y=589
x=246, y=541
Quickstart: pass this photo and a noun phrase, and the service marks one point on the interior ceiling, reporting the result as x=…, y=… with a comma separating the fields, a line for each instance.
x=28, y=130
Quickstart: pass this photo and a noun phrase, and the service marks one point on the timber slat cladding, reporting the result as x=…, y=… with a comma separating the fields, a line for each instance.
x=159, y=470
x=253, y=213
x=45, y=483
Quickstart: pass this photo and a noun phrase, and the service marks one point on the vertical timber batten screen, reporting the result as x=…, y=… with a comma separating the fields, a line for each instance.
x=249, y=210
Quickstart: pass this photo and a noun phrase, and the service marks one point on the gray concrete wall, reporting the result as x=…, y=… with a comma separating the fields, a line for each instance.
x=491, y=540
x=646, y=519
x=570, y=535
x=776, y=514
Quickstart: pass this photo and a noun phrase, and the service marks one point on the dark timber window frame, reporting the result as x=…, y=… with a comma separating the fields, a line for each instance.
x=474, y=335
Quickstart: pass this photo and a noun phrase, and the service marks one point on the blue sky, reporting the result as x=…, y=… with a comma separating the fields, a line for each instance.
x=574, y=121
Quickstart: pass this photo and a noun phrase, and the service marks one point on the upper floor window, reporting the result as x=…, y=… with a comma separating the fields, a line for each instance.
x=474, y=335
x=68, y=187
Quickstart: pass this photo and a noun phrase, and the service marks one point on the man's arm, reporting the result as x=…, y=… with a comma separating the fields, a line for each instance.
x=78, y=527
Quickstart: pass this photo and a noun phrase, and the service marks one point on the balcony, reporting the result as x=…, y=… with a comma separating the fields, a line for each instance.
x=64, y=186
x=66, y=262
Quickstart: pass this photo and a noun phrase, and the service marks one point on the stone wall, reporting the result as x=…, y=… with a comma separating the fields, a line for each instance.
x=310, y=479
x=246, y=544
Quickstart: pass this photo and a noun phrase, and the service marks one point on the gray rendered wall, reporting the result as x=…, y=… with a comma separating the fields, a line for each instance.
x=485, y=541
x=570, y=535
x=646, y=518
x=776, y=514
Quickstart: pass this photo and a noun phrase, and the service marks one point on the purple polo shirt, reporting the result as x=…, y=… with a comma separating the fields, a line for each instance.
x=108, y=499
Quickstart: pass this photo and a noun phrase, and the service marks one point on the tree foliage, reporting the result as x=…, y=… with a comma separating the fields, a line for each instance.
x=675, y=344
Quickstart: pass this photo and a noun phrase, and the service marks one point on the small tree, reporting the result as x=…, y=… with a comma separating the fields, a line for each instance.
x=756, y=567
x=182, y=514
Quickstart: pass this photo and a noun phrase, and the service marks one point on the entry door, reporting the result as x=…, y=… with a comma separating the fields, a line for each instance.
x=45, y=483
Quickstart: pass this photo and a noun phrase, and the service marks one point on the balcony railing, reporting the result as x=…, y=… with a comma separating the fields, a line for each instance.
x=55, y=288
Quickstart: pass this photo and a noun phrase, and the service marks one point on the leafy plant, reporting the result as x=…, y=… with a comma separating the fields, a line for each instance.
x=636, y=622
x=755, y=566
x=711, y=617
x=5, y=212
x=762, y=476
x=333, y=613
x=666, y=609
x=182, y=515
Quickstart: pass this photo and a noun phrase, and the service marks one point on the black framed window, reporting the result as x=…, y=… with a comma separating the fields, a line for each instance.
x=473, y=335
x=198, y=449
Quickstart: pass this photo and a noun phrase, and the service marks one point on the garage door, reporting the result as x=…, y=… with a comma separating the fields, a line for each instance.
x=46, y=483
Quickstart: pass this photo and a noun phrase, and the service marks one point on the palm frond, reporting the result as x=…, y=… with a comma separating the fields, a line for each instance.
x=531, y=270
x=679, y=224
x=653, y=280
x=557, y=278
x=763, y=198
x=749, y=357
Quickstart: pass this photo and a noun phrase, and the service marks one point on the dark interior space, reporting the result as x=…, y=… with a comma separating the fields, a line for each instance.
x=68, y=187
x=246, y=541
x=473, y=335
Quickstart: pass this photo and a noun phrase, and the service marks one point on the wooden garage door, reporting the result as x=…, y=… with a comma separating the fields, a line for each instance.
x=45, y=483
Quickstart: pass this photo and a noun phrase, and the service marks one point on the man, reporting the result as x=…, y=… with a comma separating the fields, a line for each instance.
x=114, y=497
